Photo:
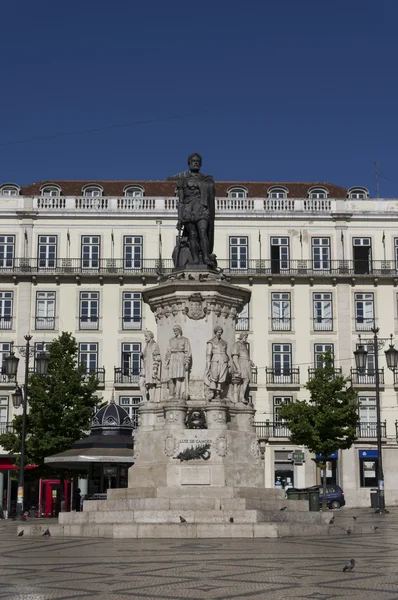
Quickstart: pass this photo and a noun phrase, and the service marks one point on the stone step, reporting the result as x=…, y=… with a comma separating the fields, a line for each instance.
x=195, y=491
x=174, y=530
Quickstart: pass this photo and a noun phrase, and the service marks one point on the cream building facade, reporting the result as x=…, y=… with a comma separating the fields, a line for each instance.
x=321, y=262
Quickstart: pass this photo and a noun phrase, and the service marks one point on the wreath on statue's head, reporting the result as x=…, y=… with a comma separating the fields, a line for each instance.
x=196, y=419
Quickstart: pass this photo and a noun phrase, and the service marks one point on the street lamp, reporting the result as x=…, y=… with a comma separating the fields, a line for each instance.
x=392, y=363
x=18, y=398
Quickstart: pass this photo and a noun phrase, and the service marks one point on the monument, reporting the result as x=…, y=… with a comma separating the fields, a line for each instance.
x=197, y=471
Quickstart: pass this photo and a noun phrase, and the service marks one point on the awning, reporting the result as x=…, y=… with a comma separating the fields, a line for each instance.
x=76, y=458
x=368, y=454
x=7, y=465
x=331, y=456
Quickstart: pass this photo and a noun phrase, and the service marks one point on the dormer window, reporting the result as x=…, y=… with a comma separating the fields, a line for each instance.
x=50, y=191
x=277, y=192
x=237, y=192
x=318, y=193
x=9, y=190
x=92, y=191
x=134, y=191
x=358, y=193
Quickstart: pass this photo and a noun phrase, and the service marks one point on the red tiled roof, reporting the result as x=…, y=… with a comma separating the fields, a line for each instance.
x=256, y=189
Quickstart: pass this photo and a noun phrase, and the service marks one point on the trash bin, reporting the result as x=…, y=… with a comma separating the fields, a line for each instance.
x=374, y=501
x=292, y=495
x=313, y=500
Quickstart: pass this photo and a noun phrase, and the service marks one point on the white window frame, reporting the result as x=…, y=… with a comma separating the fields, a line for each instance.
x=237, y=192
x=89, y=310
x=133, y=251
x=238, y=252
x=276, y=404
x=50, y=191
x=277, y=193
x=90, y=252
x=284, y=252
x=5, y=350
x=134, y=191
x=243, y=320
x=320, y=253
x=317, y=193
x=9, y=191
x=132, y=310
x=92, y=191
x=130, y=405
x=6, y=309
x=131, y=359
x=4, y=410
x=282, y=367
x=281, y=311
x=364, y=311
x=7, y=251
x=88, y=355
x=358, y=193
x=48, y=258
x=320, y=349
x=322, y=306
x=45, y=310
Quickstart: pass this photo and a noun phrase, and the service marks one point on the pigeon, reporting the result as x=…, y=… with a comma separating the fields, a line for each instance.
x=349, y=531
x=231, y=519
x=355, y=518
x=331, y=521
x=349, y=566
x=20, y=534
x=47, y=533
x=182, y=520
x=375, y=528
x=283, y=508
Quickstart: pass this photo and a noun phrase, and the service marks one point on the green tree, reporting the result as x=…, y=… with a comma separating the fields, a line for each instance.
x=60, y=408
x=328, y=421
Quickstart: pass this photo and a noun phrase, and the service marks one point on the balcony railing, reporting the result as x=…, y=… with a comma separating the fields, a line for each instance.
x=369, y=429
x=281, y=323
x=323, y=324
x=367, y=377
x=312, y=372
x=5, y=322
x=282, y=376
x=254, y=375
x=88, y=322
x=7, y=379
x=242, y=324
x=44, y=322
x=364, y=324
x=149, y=266
x=6, y=427
x=267, y=429
x=126, y=376
x=99, y=374
x=131, y=323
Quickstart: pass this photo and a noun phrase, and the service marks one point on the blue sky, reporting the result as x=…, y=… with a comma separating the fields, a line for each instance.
x=272, y=90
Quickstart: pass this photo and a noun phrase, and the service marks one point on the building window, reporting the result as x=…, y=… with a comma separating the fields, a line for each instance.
x=282, y=359
x=45, y=310
x=277, y=402
x=362, y=253
x=367, y=416
x=50, y=191
x=130, y=405
x=318, y=193
x=6, y=300
x=368, y=471
x=279, y=254
x=90, y=252
x=92, y=191
x=9, y=190
x=238, y=252
x=323, y=313
x=277, y=193
x=368, y=376
x=3, y=414
x=364, y=312
x=5, y=350
x=319, y=351
x=237, y=192
x=89, y=310
x=7, y=251
x=396, y=252
x=358, y=193
x=132, y=310
x=47, y=254
x=242, y=321
x=321, y=254
x=41, y=347
x=281, y=311
x=132, y=252
x=88, y=355
x=131, y=360
x=134, y=191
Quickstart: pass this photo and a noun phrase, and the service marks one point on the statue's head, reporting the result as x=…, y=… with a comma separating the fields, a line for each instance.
x=218, y=331
x=177, y=330
x=243, y=336
x=148, y=335
x=194, y=161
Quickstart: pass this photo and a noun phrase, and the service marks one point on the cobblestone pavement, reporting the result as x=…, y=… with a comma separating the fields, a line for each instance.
x=252, y=569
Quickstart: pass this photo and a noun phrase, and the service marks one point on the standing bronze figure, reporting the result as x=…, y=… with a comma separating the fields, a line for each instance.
x=196, y=211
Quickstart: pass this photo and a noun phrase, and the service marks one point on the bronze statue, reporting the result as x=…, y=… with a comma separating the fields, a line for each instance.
x=196, y=211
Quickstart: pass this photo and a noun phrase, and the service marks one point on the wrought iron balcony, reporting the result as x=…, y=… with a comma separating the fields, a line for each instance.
x=323, y=324
x=6, y=427
x=254, y=375
x=282, y=376
x=126, y=376
x=5, y=322
x=368, y=429
x=45, y=323
x=99, y=374
x=269, y=429
x=242, y=324
x=312, y=372
x=367, y=377
x=281, y=323
x=7, y=380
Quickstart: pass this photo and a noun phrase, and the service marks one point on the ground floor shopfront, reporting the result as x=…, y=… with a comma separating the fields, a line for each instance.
x=354, y=470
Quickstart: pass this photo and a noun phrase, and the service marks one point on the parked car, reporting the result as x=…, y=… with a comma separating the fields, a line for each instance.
x=334, y=494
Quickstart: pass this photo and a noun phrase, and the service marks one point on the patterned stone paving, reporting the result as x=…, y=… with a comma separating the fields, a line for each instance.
x=252, y=569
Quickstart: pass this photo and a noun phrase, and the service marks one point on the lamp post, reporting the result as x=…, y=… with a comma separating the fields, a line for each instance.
x=392, y=363
x=21, y=397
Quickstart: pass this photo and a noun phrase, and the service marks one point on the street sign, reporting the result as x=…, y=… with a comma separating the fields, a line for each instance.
x=298, y=457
